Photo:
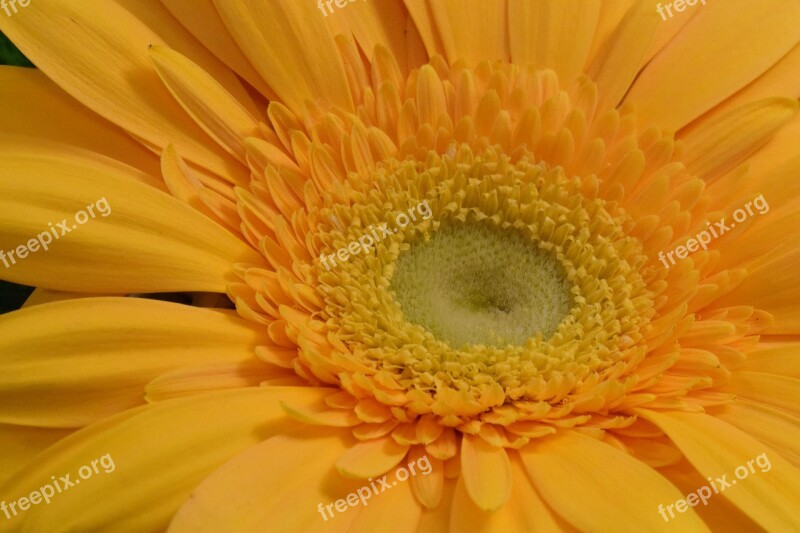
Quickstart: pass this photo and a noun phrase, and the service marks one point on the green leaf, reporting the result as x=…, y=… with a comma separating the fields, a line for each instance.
x=10, y=55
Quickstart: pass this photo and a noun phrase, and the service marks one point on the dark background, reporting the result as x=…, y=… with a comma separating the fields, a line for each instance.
x=12, y=296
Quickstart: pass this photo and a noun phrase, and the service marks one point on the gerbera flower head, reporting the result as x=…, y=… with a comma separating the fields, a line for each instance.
x=443, y=228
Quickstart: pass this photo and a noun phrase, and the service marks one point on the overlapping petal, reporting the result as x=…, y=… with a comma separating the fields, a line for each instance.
x=160, y=454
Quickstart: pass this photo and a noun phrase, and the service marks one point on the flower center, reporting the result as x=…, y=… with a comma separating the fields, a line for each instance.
x=471, y=285
x=526, y=297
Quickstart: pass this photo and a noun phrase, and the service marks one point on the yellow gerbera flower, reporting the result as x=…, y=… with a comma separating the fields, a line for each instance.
x=497, y=265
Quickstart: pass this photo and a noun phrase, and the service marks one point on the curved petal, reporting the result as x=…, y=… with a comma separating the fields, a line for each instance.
x=291, y=47
x=397, y=511
x=97, y=51
x=777, y=153
x=45, y=296
x=213, y=108
x=486, y=470
x=776, y=429
x=610, y=17
x=440, y=517
x=201, y=18
x=776, y=356
x=723, y=48
x=719, y=514
x=580, y=478
x=776, y=391
x=553, y=34
x=524, y=512
x=159, y=454
x=300, y=463
x=142, y=241
x=473, y=30
x=20, y=444
x=770, y=274
x=371, y=458
x=780, y=80
x=770, y=497
x=377, y=24
x=420, y=12
x=33, y=106
x=725, y=141
x=667, y=32
x=159, y=20
x=96, y=355
x=619, y=60
x=195, y=379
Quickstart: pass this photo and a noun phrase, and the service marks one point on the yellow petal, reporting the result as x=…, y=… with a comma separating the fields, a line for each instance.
x=395, y=509
x=431, y=100
x=486, y=471
x=420, y=11
x=67, y=150
x=159, y=453
x=194, y=379
x=555, y=35
x=773, y=357
x=290, y=480
x=158, y=19
x=291, y=47
x=580, y=478
x=524, y=512
x=703, y=67
x=777, y=153
x=780, y=80
x=183, y=182
x=720, y=514
x=619, y=61
x=140, y=240
x=770, y=497
x=472, y=30
x=375, y=24
x=33, y=106
x=46, y=296
x=20, y=444
x=610, y=17
x=208, y=103
x=773, y=427
x=427, y=487
x=371, y=458
x=768, y=274
x=322, y=415
x=96, y=355
x=97, y=52
x=666, y=33
x=202, y=19
x=724, y=142
x=777, y=391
